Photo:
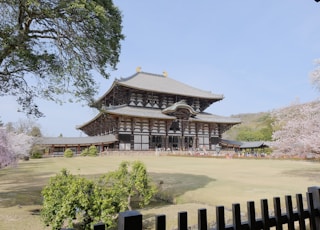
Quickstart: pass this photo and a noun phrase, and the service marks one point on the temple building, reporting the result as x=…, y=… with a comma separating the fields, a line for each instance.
x=149, y=111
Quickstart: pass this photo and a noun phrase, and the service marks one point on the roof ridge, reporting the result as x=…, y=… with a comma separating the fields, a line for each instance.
x=137, y=73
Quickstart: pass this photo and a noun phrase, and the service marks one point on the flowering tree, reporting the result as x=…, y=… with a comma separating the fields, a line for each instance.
x=6, y=153
x=20, y=143
x=297, y=126
x=13, y=146
x=297, y=129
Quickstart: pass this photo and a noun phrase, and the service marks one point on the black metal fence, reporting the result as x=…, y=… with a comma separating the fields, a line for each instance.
x=282, y=218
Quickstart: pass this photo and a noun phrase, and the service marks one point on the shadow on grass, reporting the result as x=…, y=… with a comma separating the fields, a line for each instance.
x=311, y=174
x=173, y=185
x=23, y=187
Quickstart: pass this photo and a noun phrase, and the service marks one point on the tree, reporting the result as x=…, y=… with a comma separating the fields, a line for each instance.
x=70, y=200
x=297, y=129
x=7, y=156
x=51, y=48
x=13, y=146
x=35, y=132
x=130, y=184
x=67, y=198
x=27, y=126
x=21, y=144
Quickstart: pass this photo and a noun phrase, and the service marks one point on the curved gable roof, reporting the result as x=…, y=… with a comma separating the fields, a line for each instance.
x=179, y=105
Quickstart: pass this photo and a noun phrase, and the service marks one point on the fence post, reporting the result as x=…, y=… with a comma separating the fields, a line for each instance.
x=100, y=226
x=316, y=203
x=182, y=221
x=221, y=224
x=202, y=219
x=130, y=220
x=161, y=222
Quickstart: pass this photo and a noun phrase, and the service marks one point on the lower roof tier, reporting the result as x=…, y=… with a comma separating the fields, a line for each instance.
x=149, y=113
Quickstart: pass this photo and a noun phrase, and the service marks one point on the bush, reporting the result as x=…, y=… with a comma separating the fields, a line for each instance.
x=36, y=152
x=36, y=155
x=92, y=151
x=70, y=200
x=85, y=152
x=68, y=153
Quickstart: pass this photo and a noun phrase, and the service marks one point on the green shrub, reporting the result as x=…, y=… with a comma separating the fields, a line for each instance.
x=36, y=155
x=36, y=152
x=68, y=153
x=85, y=152
x=92, y=151
x=78, y=201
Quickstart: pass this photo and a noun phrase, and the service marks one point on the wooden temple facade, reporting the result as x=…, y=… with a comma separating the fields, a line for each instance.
x=150, y=111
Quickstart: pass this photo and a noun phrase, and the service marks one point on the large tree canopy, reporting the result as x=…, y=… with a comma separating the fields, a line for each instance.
x=297, y=129
x=50, y=48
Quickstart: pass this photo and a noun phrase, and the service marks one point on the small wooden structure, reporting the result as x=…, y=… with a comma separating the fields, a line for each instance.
x=251, y=146
x=55, y=146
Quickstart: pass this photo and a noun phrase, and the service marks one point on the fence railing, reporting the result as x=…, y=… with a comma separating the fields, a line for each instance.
x=299, y=218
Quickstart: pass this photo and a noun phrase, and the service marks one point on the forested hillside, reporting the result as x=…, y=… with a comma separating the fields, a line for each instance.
x=294, y=129
x=254, y=127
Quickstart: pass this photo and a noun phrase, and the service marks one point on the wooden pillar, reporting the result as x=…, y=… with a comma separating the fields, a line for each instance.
x=197, y=137
x=168, y=124
x=210, y=133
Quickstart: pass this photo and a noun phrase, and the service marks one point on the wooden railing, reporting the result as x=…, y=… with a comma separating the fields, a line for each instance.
x=288, y=218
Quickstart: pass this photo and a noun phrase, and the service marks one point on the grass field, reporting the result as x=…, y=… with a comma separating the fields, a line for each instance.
x=194, y=182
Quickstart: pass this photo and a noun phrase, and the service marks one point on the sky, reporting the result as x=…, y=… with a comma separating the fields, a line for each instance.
x=258, y=54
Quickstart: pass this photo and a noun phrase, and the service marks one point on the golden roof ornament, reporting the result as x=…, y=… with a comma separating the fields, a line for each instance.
x=165, y=74
x=138, y=69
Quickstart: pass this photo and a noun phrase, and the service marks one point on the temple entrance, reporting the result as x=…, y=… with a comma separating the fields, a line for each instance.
x=157, y=142
x=174, y=142
x=188, y=143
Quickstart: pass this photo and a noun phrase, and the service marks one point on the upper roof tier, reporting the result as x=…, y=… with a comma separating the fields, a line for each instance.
x=162, y=84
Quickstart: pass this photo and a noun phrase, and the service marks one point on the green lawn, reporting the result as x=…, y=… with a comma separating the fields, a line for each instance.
x=194, y=182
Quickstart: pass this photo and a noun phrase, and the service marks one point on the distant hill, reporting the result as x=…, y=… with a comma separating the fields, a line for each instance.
x=250, y=128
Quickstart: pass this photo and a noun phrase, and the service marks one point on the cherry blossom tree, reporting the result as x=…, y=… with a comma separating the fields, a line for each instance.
x=13, y=146
x=297, y=126
x=21, y=143
x=297, y=129
x=6, y=152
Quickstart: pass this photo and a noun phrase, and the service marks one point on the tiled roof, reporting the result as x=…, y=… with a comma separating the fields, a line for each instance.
x=244, y=145
x=163, y=84
x=208, y=117
x=252, y=144
x=230, y=142
x=157, y=114
x=137, y=112
x=76, y=140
